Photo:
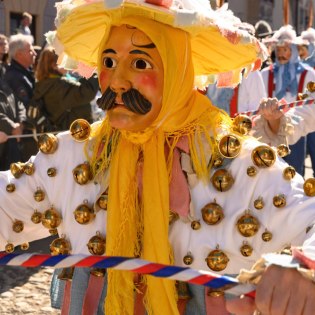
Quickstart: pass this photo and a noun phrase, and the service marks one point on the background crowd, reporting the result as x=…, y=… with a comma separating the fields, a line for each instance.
x=36, y=95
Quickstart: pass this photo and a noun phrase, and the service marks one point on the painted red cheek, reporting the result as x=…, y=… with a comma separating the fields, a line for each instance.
x=149, y=80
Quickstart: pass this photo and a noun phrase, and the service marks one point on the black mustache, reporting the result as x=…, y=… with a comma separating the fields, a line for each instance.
x=132, y=99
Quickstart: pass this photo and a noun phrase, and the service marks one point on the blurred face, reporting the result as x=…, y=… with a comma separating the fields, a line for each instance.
x=303, y=51
x=131, y=79
x=26, y=56
x=283, y=54
x=4, y=47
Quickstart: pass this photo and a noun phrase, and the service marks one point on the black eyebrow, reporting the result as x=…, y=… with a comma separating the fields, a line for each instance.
x=109, y=51
x=140, y=52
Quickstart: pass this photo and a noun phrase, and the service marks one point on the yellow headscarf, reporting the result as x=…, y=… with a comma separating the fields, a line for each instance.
x=142, y=228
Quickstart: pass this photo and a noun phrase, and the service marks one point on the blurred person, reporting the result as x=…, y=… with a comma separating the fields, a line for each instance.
x=65, y=97
x=20, y=78
x=3, y=137
x=264, y=31
x=24, y=27
x=12, y=116
x=284, y=79
x=4, y=54
x=244, y=97
x=306, y=48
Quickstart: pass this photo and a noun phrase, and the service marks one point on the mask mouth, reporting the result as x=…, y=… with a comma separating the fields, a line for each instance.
x=133, y=100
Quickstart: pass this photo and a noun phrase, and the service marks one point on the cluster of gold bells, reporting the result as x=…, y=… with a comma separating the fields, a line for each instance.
x=51, y=218
x=263, y=156
x=229, y=147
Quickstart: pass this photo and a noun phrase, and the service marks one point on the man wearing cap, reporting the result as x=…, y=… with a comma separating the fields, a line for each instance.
x=174, y=182
x=284, y=79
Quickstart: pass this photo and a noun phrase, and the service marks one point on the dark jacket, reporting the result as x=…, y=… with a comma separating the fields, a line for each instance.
x=66, y=99
x=11, y=111
x=21, y=81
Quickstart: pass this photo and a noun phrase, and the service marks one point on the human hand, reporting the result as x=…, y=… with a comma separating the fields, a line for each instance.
x=269, y=109
x=281, y=291
x=17, y=130
x=3, y=137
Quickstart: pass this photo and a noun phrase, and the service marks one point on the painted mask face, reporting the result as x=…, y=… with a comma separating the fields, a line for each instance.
x=131, y=79
x=283, y=54
x=303, y=51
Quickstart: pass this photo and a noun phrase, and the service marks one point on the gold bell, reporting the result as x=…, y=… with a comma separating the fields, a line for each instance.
x=9, y=248
x=51, y=219
x=215, y=292
x=229, y=146
x=217, y=260
x=60, y=246
x=266, y=236
x=66, y=274
x=18, y=226
x=97, y=244
x=173, y=217
x=82, y=173
x=188, y=259
x=246, y=250
x=98, y=272
x=10, y=188
x=242, y=124
x=195, y=225
x=283, y=150
x=52, y=172
x=279, y=201
x=263, y=156
x=102, y=201
x=83, y=214
x=48, y=143
x=309, y=187
x=222, y=180
x=289, y=172
x=36, y=217
x=212, y=213
x=302, y=96
x=247, y=225
x=259, y=203
x=80, y=130
x=25, y=246
x=311, y=86
x=39, y=195
x=217, y=160
x=29, y=168
x=17, y=169
x=251, y=171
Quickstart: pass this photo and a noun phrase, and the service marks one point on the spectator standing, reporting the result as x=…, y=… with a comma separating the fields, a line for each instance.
x=12, y=115
x=65, y=97
x=4, y=54
x=25, y=24
x=284, y=79
x=20, y=78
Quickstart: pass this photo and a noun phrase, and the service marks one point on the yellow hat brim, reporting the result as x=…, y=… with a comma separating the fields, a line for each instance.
x=215, y=50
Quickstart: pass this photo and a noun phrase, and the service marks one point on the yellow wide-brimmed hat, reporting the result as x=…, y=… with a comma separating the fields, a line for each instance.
x=221, y=48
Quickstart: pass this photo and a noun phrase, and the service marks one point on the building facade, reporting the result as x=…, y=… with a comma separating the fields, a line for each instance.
x=43, y=12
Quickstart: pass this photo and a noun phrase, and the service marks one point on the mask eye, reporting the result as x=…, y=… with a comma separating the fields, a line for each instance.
x=141, y=64
x=109, y=62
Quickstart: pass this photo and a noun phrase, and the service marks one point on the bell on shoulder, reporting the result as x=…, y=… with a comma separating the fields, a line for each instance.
x=80, y=130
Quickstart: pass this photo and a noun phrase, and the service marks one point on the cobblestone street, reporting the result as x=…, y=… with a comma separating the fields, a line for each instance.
x=25, y=291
